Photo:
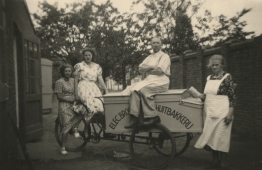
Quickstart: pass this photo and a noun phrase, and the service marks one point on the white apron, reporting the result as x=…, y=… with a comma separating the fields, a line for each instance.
x=216, y=133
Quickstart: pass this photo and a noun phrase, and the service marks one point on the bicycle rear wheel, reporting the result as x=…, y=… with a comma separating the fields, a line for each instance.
x=71, y=143
x=152, y=147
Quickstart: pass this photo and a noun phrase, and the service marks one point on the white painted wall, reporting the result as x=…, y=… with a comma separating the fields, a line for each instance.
x=47, y=91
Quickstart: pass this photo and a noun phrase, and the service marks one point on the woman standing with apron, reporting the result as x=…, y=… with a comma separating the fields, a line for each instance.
x=220, y=99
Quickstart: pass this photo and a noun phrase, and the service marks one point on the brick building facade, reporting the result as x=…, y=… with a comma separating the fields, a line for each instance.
x=20, y=69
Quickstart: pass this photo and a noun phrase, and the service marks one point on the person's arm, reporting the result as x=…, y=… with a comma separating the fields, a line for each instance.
x=232, y=98
x=76, y=75
x=156, y=71
x=230, y=115
x=102, y=83
x=59, y=92
x=61, y=98
x=143, y=76
x=163, y=65
x=144, y=68
x=100, y=79
x=202, y=96
x=76, y=79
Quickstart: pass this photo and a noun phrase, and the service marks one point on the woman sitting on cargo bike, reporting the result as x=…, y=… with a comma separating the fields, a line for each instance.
x=87, y=77
x=81, y=91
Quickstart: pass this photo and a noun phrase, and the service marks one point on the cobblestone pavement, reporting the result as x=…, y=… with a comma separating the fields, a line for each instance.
x=244, y=154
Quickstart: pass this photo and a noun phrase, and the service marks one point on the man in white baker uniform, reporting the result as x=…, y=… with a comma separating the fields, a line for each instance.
x=156, y=68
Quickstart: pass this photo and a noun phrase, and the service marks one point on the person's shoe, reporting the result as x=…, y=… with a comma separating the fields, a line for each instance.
x=63, y=151
x=223, y=168
x=215, y=165
x=133, y=122
x=153, y=120
x=109, y=136
x=207, y=148
x=77, y=135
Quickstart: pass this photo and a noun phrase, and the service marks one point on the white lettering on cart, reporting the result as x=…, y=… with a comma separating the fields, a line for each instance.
x=176, y=115
x=118, y=117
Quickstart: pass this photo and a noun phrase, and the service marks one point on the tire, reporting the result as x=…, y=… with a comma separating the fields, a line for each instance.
x=73, y=144
x=182, y=141
x=147, y=149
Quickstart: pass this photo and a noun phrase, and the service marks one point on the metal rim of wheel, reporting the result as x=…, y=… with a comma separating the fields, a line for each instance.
x=148, y=147
x=182, y=140
x=72, y=143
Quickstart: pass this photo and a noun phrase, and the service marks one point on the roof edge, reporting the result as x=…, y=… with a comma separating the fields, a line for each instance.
x=28, y=13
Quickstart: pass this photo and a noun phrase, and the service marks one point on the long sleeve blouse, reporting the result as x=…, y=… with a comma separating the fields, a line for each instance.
x=227, y=87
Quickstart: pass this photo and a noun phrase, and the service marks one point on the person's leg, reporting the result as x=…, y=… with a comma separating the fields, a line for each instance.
x=76, y=133
x=148, y=102
x=101, y=119
x=216, y=162
x=134, y=104
x=223, y=159
x=73, y=124
x=63, y=150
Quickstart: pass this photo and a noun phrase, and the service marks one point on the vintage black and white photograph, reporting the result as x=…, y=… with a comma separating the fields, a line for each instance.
x=131, y=84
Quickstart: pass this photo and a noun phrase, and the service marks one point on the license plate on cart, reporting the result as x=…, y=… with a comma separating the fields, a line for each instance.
x=176, y=114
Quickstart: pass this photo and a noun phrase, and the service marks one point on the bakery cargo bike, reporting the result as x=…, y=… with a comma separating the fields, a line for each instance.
x=151, y=146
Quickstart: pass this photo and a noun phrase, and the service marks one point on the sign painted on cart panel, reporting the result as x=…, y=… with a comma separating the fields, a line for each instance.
x=162, y=109
x=118, y=117
x=176, y=115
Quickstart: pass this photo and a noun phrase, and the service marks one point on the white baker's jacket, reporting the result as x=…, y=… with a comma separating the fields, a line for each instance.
x=159, y=59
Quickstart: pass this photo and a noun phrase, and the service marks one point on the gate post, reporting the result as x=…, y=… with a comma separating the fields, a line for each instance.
x=201, y=65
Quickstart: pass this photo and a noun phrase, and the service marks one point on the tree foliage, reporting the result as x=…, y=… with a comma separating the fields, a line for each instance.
x=65, y=32
x=122, y=40
x=168, y=19
x=218, y=30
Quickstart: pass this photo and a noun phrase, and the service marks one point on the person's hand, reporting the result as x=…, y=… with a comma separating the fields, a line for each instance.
x=106, y=91
x=72, y=101
x=201, y=96
x=147, y=67
x=77, y=75
x=144, y=65
x=229, y=117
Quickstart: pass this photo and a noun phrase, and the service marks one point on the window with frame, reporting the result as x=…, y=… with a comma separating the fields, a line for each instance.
x=32, y=67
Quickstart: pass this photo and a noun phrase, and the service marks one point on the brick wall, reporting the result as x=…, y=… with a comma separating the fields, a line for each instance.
x=177, y=70
x=244, y=62
x=8, y=108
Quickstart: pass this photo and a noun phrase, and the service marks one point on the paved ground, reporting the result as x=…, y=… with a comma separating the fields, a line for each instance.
x=244, y=154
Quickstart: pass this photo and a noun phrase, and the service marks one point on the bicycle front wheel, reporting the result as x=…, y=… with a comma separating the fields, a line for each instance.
x=72, y=143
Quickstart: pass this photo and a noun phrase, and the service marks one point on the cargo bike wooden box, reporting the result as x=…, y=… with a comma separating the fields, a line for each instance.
x=153, y=146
